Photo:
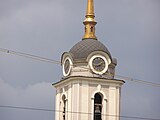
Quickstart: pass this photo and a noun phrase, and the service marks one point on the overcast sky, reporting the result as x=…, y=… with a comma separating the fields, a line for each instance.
x=129, y=28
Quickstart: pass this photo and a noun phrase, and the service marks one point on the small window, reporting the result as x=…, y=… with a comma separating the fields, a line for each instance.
x=91, y=28
x=97, y=107
x=64, y=106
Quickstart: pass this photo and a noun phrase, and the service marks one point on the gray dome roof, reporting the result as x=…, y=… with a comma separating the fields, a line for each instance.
x=82, y=49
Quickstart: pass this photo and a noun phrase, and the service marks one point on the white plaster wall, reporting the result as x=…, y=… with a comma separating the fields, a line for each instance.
x=84, y=105
x=80, y=98
x=69, y=102
x=57, y=106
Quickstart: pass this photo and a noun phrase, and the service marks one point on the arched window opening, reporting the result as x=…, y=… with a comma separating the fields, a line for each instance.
x=97, y=106
x=64, y=106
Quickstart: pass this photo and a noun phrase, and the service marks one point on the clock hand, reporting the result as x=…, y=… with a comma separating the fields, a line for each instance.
x=98, y=64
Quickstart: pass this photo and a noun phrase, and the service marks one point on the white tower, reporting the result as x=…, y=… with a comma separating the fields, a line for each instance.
x=88, y=90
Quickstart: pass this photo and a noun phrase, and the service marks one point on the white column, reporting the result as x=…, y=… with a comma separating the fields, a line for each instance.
x=104, y=107
x=69, y=102
x=76, y=101
x=57, y=105
x=118, y=102
x=92, y=104
x=112, y=103
x=84, y=100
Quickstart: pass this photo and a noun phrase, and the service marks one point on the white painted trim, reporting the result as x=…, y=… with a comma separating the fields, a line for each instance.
x=104, y=103
x=78, y=103
x=106, y=64
x=70, y=67
x=99, y=91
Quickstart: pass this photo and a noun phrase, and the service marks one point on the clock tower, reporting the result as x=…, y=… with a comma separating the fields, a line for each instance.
x=88, y=90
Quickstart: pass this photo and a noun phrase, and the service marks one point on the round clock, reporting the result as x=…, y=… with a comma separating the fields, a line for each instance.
x=67, y=64
x=98, y=64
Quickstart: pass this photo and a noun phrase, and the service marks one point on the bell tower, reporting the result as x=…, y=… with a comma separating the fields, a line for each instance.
x=88, y=89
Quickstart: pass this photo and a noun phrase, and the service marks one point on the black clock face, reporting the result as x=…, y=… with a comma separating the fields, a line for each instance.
x=66, y=66
x=98, y=64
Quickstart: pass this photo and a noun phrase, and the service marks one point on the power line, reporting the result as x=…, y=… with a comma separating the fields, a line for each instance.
x=51, y=110
x=29, y=56
x=35, y=57
x=58, y=62
x=138, y=81
x=25, y=108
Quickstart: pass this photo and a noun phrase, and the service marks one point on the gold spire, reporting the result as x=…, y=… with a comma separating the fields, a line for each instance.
x=90, y=22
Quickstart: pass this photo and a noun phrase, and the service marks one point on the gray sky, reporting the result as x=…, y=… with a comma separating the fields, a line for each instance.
x=129, y=28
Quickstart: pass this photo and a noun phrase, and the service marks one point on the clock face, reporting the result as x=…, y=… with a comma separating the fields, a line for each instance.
x=98, y=64
x=67, y=66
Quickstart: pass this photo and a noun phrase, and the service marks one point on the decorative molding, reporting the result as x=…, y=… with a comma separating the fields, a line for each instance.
x=97, y=91
x=99, y=87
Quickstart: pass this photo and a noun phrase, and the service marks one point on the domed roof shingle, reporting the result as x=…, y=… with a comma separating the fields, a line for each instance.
x=82, y=49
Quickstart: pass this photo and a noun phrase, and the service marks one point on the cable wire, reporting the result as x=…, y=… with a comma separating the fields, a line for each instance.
x=51, y=110
x=58, y=62
x=29, y=56
x=138, y=81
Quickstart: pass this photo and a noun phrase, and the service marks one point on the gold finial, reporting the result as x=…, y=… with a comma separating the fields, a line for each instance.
x=90, y=22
